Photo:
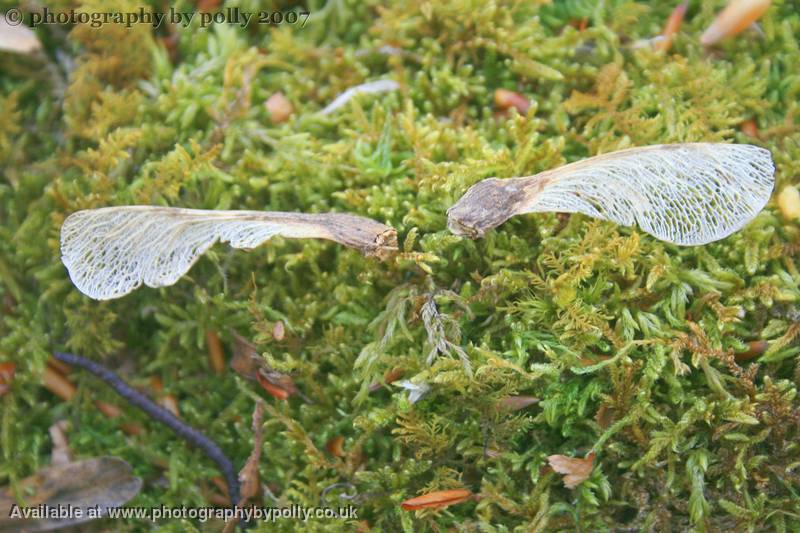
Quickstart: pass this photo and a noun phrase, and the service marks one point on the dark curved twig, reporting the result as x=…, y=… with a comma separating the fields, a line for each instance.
x=155, y=411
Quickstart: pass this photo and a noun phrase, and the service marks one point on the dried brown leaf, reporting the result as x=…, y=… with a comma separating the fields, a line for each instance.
x=59, y=385
x=98, y=482
x=245, y=360
x=575, y=470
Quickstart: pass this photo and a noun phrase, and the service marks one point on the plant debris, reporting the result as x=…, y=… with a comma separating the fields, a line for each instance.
x=7, y=370
x=575, y=470
x=249, y=480
x=737, y=15
x=671, y=28
x=379, y=86
x=60, y=454
x=437, y=499
x=89, y=487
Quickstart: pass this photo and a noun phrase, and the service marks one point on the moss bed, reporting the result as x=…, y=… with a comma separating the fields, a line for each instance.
x=642, y=352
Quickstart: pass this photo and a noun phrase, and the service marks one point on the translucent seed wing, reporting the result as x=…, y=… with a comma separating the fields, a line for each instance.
x=110, y=252
x=687, y=194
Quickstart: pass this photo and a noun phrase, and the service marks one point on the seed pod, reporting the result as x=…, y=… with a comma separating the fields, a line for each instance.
x=687, y=194
x=110, y=252
x=436, y=500
x=736, y=16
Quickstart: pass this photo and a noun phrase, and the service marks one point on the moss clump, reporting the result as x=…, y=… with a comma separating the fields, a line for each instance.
x=638, y=350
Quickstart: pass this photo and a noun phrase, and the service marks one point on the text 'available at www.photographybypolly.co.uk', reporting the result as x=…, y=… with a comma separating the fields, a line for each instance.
x=203, y=514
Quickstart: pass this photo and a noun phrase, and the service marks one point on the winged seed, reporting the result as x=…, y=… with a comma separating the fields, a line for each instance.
x=109, y=252
x=687, y=194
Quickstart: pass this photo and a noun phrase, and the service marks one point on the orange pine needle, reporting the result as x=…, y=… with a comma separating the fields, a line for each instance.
x=273, y=389
x=671, y=28
x=58, y=384
x=436, y=499
x=111, y=411
x=737, y=15
x=215, y=353
x=755, y=349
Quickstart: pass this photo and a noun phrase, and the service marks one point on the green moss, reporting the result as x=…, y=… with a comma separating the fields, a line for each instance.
x=628, y=342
